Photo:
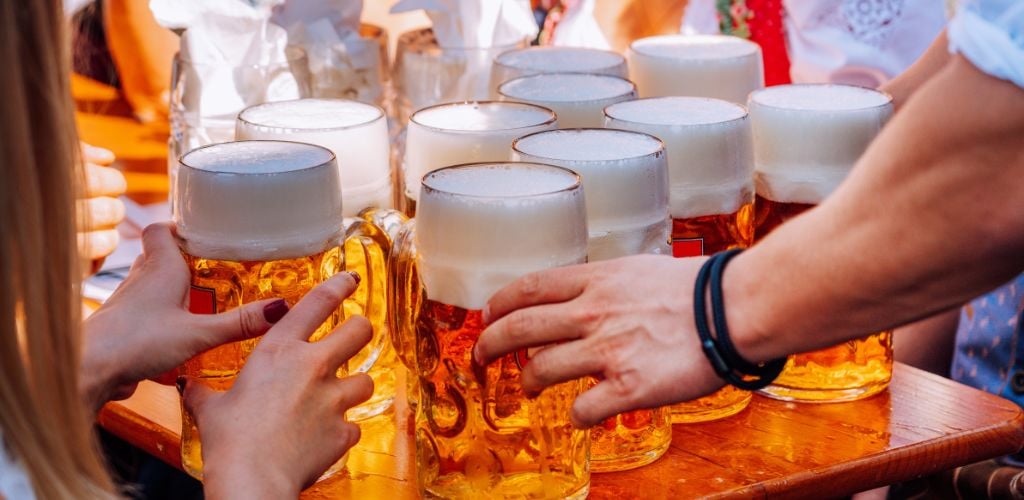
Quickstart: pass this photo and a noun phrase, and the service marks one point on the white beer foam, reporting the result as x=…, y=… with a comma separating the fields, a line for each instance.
x=357, y=133
x=808, y=137
x=307, y=114
x=709, y=146
x=258, y=200
x=698, y=201
x=535, y=60
x=695, y=47
x=566, y=87
x=480, y=227
x=577, y=99
x=452, y=134
x=719, y=66
x=624, y=173
x=652, y=239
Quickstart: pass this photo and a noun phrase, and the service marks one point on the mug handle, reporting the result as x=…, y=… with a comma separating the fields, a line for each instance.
x=368, y=240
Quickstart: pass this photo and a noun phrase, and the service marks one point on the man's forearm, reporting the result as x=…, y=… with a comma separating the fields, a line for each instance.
x=928, y=65
x=929, y=218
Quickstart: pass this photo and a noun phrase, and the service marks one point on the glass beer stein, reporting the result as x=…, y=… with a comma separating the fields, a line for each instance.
x=711, y=165
x=259, y=220
x=806, y=140
x=625, y=178
x=479, y=227
x=357, y=133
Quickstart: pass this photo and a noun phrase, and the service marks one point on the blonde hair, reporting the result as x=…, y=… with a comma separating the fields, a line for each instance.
x=43, y=418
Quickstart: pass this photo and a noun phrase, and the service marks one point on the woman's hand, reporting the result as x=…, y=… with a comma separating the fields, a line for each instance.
x=145, y=329
x=102, y=208
x=281, y=423
x=628, y=322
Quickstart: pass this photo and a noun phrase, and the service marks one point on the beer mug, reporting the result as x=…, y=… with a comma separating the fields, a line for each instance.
x=625, y=178
x=357, y=133
x=577, y=99
x=259, y=220
x=479, y=228
x=806, y=139
x=517, y=63
x=710, y=163
x=465, y=132
x=206, y=97
x=717, y=66
x=427, y=74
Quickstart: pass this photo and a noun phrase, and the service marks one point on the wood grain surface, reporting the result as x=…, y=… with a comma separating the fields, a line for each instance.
x=923, y=424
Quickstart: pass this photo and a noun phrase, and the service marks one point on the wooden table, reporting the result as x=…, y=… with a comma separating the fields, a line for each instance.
x=923, y=424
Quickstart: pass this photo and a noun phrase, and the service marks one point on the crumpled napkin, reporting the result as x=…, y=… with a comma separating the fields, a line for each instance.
x=475, y=23
x=473, y=31
x=231, y=56
x=341, y=62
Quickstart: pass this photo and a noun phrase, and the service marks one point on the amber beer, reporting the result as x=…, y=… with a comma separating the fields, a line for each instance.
x=806, y=139
x=479, y=227
x=256, y=220
x=625, y=178
x=710, y=164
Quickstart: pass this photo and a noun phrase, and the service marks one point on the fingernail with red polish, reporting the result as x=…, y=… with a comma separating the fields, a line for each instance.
x=355, y=276
x=274, y=311
x=180, y=384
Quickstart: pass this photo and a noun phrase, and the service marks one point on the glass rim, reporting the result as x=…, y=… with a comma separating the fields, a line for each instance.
x=548, y=48
x=660, y=143
x=332, y=159
x=553, y=118
x=743, y=116
x=401, y=42
x=743, y=41
x=380, y=115
x=293, y=54
x=425, y=180
x=632, y=86
x=888, y=97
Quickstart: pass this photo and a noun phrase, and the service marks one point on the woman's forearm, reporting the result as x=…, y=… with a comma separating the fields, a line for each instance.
x=929, y=218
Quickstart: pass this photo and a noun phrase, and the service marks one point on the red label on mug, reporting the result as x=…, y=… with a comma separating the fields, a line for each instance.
x=202, y=300
x=687, y=247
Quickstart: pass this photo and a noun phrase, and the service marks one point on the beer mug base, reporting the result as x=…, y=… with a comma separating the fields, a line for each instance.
x=804, y=395
x=853, y=370
x=517, y=486
x=628, y=463
x=727, y=402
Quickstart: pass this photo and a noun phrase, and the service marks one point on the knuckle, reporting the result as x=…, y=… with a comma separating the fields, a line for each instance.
x=360, y=325
x=530, y=286
x=520, y=325
x=350, y=434
x=326, y=295
x=250, y=322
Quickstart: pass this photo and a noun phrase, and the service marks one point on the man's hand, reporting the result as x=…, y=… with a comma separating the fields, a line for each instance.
x=628, y=322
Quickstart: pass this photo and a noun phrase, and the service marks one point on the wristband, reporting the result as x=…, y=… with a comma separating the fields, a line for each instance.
x=719, y=348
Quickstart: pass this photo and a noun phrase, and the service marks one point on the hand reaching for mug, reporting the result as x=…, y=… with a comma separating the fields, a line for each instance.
x=145, y=330
x=628, y=322
x=102, y=208
x=280, y=425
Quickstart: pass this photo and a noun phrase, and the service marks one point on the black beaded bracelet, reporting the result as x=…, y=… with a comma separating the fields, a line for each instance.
x=719, y=349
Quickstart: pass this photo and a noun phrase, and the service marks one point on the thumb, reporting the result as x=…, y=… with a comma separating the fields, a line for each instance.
x=195, y=396
x=244, y=322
